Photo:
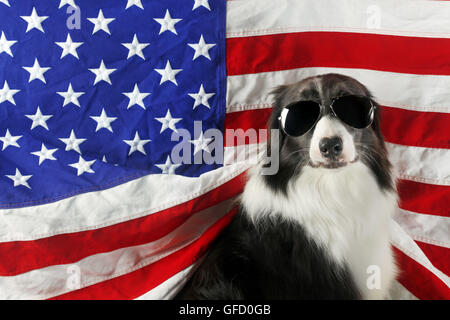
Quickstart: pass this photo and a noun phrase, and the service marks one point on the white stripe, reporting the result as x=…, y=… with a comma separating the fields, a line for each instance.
x=426, y=165
x=399, y=292
x=406, y=244
x=56, y=280
x=131, y=200
x=400, y=17
x=424, y=227
x=401, y=90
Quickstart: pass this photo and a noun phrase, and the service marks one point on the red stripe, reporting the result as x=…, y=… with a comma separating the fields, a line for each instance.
x=135, y=284
x=424, y=198
x=24, y=256
x=439, y=256
x=414, y=128
x=338, y=49
x=245, y=120
x=419, y=280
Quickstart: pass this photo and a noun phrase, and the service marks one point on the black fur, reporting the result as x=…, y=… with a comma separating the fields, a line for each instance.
x=272, y=260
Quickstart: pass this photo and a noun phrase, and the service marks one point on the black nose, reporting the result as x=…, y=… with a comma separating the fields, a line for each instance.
x=331, y=147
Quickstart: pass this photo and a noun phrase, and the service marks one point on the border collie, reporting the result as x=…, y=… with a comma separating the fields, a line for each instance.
x=319, y=227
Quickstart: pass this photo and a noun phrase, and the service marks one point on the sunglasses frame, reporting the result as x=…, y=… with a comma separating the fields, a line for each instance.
x=322, y=107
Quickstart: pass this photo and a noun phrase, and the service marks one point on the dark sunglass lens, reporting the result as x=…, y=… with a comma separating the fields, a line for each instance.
x=354, y=110
x=299, y=117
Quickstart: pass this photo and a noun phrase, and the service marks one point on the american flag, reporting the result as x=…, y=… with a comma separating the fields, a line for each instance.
x=92, y=93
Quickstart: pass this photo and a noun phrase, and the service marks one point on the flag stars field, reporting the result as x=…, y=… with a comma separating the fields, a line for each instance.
x=5, y=44
x=103, y=121
x=9, y=140
x=201, y=48
x=7, y=94
x=102, y=73
x=70, y=96
x=167, y=23
x=168, y=122
x=168, y=74
x=135, y=48
x=69, y=47
x=36, y=71
x=83, y=166
x=44, y=154
x=168, y=167
x=137, y=144
x=201, y=3
x=136, y=97
x=34, y=21
x=71, y=3
x=136, y=3
x=72, y=142
x=201, y=98
x=19, y=179
x=101, y=23
x=39, y=119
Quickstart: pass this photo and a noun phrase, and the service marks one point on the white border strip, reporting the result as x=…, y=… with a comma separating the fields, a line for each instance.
x=400, y=17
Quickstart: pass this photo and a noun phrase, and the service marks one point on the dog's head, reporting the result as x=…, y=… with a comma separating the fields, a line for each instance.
x=328, y=121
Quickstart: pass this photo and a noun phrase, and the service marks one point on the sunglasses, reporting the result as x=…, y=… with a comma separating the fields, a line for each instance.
x=299, y=117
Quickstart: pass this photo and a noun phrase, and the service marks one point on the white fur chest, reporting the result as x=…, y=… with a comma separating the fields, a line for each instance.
x=341, y=209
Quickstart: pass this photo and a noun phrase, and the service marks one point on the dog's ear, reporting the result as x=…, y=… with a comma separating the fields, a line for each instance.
x=278, y=95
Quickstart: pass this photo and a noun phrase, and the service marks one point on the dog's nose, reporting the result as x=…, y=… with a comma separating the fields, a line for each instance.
x=330, y=148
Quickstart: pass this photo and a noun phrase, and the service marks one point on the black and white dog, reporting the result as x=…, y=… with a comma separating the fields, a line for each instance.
x=319, y=227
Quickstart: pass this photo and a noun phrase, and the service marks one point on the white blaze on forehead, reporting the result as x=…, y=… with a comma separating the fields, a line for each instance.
x=328, y=127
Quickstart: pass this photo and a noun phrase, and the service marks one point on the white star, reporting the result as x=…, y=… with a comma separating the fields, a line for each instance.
x=168, y=122
x=45, y=154
x=7, y=94
x=36, y=71
x=136, y=144
x=69, y=47
x=5, y=44
x=103, y=121
x=9, y=140
x=70, y=96
x=20, y=180
x=201, y=143
x=168, y=167
x=83, y=166
x=201, y=48
x=101, y=23
x=102, y=73
x=136, y=3
x=72, y=143
x=69, y=2
x=168, y=74
x=201, y=98
x=34, y=21
x=203, y=3
x=136, y=97
x=38, y=119
x=135, y=48
x=5, y=2
x=167, y=23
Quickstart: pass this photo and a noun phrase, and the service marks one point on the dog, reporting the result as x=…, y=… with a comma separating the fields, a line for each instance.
x=319, y=227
